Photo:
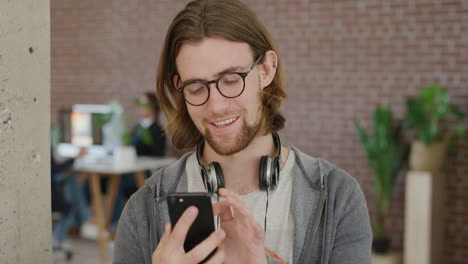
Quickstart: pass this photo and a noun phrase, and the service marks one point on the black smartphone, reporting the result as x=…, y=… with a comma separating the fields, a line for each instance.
x=203, y=225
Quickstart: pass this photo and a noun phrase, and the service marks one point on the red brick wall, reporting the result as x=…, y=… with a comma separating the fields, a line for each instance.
x=341, y=59
x=103, y=50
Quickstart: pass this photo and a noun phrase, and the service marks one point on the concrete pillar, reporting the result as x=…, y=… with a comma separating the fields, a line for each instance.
x=25, y=221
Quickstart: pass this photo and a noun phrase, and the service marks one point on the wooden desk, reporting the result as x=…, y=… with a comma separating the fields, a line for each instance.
x=390, y=258
x=95, y=171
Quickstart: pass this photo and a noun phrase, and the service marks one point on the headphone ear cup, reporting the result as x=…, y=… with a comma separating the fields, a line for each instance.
x=215, y=174
x=264, y=183
x=275, y=172
x=204, y=175
x=219, y=175
x=211, y=180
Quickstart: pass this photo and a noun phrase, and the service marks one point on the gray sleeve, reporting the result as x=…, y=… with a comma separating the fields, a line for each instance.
x=127, y=248
x=353, y=239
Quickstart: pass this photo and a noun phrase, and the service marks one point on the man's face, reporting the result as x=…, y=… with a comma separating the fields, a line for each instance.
x=227, y=124
x=143, y=110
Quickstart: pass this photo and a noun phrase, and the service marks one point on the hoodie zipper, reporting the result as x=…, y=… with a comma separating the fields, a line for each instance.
x=317, y=223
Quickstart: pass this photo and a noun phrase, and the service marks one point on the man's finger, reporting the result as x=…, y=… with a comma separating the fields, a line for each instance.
x=235, y=201
x=167, y=233
x=164, y=238
x=218, y=257
x=202, y=250
x=224, y=210
x=258, y=231
x=179, y=232
x=220, y=207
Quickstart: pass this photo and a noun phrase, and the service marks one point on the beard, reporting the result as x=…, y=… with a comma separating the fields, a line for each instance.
x=240, y=142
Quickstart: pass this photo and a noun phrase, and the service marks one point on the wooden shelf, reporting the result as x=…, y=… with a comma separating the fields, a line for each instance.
x=424, y=217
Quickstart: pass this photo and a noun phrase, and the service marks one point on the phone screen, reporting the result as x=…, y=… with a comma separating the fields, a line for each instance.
x=203, y=225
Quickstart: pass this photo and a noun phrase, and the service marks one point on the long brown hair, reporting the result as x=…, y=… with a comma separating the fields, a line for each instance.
x=227, y=19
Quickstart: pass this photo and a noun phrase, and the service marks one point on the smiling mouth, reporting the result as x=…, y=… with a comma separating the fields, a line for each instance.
x=225, y=123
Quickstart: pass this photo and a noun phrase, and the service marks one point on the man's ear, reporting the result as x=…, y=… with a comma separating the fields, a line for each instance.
x=268, y=68
x=176, y=80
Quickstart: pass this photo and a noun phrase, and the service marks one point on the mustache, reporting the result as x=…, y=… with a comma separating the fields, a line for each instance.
x=221, y=116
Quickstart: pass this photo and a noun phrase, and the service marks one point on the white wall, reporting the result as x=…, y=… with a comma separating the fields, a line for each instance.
x=25, y=225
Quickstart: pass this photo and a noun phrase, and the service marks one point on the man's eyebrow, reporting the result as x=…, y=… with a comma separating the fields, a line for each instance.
x=230, y=69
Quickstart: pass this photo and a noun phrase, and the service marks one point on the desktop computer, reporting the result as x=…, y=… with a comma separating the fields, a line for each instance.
x=94, y=124
x=98, y=128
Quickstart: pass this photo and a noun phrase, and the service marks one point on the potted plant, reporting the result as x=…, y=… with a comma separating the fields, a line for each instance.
x=386, y=154
x=434, y=120
x=116, y=137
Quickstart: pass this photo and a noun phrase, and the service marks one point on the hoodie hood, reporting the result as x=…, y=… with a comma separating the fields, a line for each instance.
x=314, y=170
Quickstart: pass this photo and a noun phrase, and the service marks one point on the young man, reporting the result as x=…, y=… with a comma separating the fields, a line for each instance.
x=148, y=136
x=220, y=84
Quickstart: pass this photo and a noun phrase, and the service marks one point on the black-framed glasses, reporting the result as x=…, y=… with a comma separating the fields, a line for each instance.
x=229, y=85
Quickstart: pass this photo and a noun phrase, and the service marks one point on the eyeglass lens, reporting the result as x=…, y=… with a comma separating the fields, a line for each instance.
x=230, y=85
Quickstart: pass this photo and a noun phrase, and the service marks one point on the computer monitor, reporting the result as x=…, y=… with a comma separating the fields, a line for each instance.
x=85, y=129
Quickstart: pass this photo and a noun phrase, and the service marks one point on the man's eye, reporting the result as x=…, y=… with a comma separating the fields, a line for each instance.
x=195, y=89
x=230, y=79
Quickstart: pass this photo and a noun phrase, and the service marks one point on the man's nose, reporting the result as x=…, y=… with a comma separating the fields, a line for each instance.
x=217, y=101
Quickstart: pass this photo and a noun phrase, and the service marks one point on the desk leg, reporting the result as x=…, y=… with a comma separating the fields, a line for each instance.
x=140, y=178
x=99, y=212
x=113, y=190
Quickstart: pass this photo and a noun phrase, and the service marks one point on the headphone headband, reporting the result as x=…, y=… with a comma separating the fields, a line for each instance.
x=277, y=143
x=213, y=177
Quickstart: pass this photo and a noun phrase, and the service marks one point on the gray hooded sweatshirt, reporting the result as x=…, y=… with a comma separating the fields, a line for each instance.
x=328, y=207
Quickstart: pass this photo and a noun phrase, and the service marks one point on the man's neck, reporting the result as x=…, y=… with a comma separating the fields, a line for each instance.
x=241, y=170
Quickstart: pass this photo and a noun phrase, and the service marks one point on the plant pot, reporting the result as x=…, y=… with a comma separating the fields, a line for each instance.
x=427, y=157
x=381, y=245
x=124, y=156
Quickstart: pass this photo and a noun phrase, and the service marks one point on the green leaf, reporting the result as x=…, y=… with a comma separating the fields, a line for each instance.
x=415, y=114
x=361, y=133
x=103, y=119
x=146, y=137
x=428, y=114
x=126, y=138
x=457, y=114
x=55, y=135
x=385, y=156
x=459, y=130
x=136, y=101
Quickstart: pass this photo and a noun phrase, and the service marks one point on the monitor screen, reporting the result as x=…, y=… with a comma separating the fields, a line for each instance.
x=85, y=129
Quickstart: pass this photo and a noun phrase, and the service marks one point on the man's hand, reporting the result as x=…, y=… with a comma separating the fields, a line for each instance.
x=171, y=247
x=244, y=236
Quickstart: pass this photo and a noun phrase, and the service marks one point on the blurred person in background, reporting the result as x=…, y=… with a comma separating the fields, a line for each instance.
x=67, y=199
x=148, y=136
x=149, y=139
